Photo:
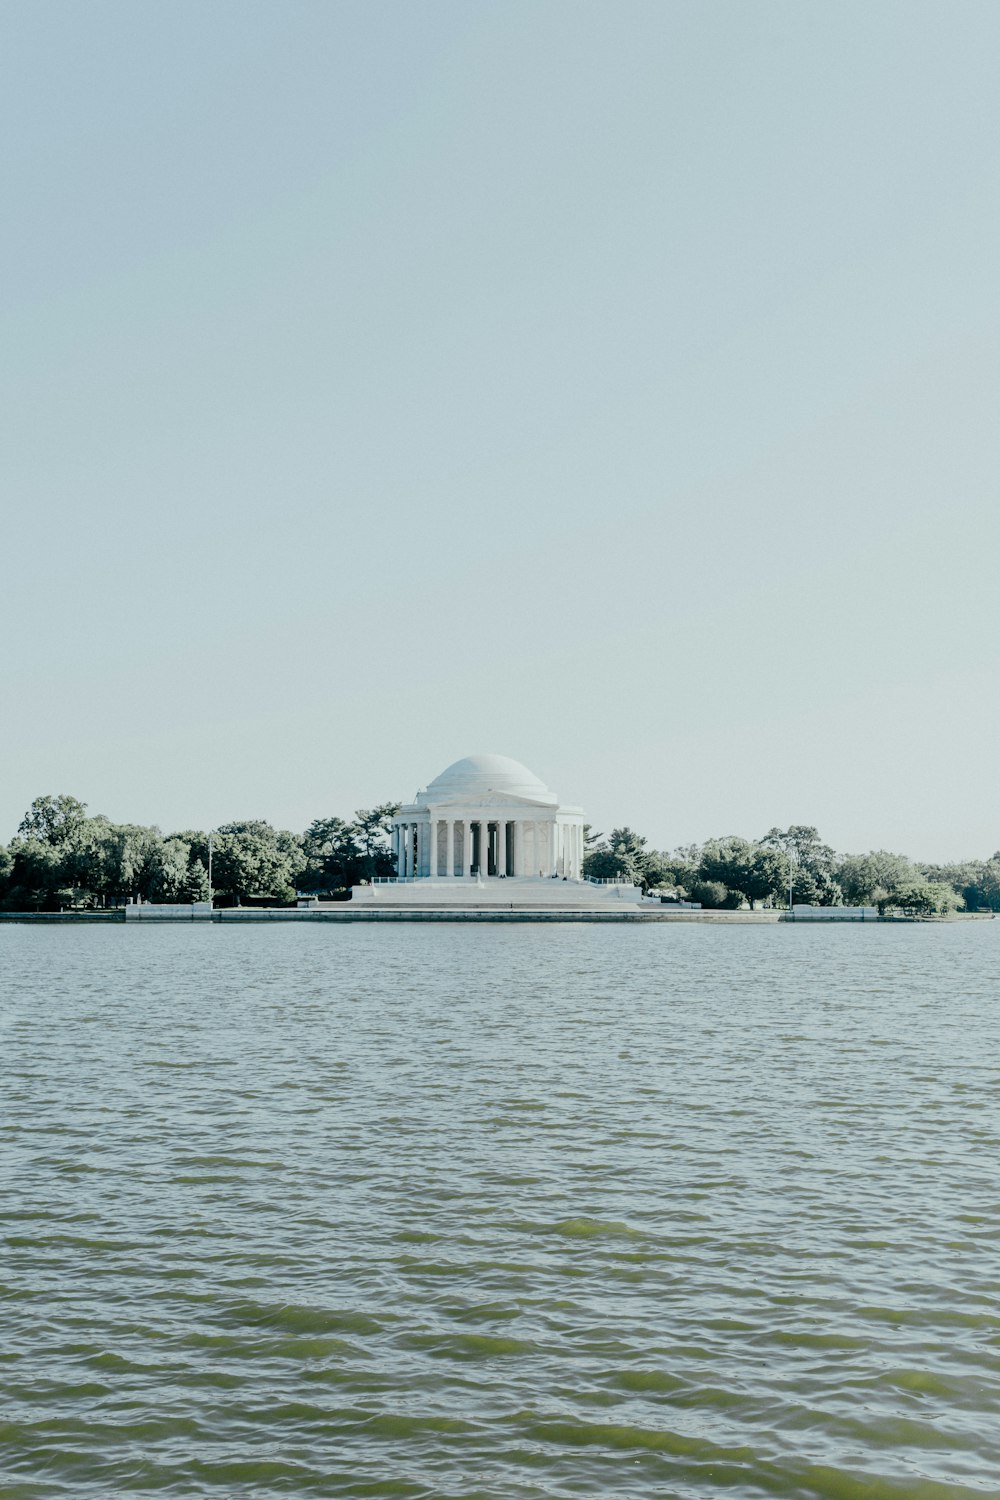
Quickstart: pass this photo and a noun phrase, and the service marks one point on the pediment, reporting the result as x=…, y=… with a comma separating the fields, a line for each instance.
x=492, y=799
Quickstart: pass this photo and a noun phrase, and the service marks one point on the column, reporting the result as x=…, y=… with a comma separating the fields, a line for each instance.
x=431, y=850
x=449, y=847
x=463, y=868
x=484, y=847
x=403, y=852
x=501, y=846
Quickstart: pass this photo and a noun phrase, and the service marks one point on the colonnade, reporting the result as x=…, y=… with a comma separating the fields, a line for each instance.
x=457, y=847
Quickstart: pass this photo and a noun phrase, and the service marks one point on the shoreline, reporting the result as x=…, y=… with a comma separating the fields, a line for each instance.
x=234, y=915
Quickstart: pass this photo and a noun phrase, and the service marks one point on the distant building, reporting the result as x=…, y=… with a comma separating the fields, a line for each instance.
x=485, y=818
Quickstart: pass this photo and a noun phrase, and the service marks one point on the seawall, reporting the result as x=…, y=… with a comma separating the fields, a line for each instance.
x=228, y=916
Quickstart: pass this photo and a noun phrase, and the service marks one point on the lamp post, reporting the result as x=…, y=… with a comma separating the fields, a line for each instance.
x=210, y=903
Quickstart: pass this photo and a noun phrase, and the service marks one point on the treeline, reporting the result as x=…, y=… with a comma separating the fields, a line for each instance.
x=63, y=857
x=732, y=872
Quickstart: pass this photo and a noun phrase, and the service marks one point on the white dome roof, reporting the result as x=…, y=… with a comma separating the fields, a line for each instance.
x=477, y=774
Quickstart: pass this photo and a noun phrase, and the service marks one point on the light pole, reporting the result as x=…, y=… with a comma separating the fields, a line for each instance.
x=210, y=904
x=791, y=875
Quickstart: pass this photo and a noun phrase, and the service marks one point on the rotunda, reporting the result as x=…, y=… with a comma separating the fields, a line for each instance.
x=487, y=817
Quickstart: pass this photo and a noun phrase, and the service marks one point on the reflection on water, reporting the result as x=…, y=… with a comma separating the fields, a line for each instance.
x=500, y=1212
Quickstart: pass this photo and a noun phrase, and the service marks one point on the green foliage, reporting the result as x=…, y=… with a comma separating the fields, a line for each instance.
x=985, y=890
x=340, y=854
x=712, y=894
x=623, y=856
x=890, y=882
x=252, y=859
x=37, y=878
x=194, y=886
x=975, y=882
x=373, y=827
x=170, y=871
x=919, y=898
x=605, y=863
x=755, y=870
x=62, y=856
x=813, y=864
x=679, y=870
x=53, y=820
x=870, y=879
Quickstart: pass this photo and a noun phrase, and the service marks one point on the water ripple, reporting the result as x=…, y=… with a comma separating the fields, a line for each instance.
x=500, y=1214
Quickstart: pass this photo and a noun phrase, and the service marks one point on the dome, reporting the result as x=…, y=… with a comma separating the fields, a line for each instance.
x=476, y=775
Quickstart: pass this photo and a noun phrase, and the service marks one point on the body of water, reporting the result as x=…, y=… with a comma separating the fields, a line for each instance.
x=500, y=1212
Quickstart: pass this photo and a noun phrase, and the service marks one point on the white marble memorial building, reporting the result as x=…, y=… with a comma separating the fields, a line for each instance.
x=487, y=818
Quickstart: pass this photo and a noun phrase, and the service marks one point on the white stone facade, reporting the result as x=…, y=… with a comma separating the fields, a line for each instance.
x=487, y=818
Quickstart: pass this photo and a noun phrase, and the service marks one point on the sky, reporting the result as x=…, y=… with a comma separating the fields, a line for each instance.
x=613, y=386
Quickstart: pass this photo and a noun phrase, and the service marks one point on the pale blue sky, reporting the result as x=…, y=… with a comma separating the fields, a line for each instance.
x=614, y=386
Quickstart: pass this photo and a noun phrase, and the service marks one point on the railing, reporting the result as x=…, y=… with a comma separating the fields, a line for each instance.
x=609, y=880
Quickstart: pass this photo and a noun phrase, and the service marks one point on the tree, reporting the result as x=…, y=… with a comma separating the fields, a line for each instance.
x=623, y=856
x=890, y=882
x=126, y=860
x=976, y=882
x=713, y=895
x=920, y=898
x=53, y=820
x=987, y=886
x=813, y=872
x=253, y=859
x=169, y=872
x=290, y=847
x=605, y=863
x=333, y=856
x=194, y=886
x=37, y=878
x=615, y=858
x=680, y=868
x=340, y=854
x=754, y=870
x=372, y=828
x=870, y=879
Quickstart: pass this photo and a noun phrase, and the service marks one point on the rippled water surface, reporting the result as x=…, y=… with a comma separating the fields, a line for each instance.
x=669, y=1211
